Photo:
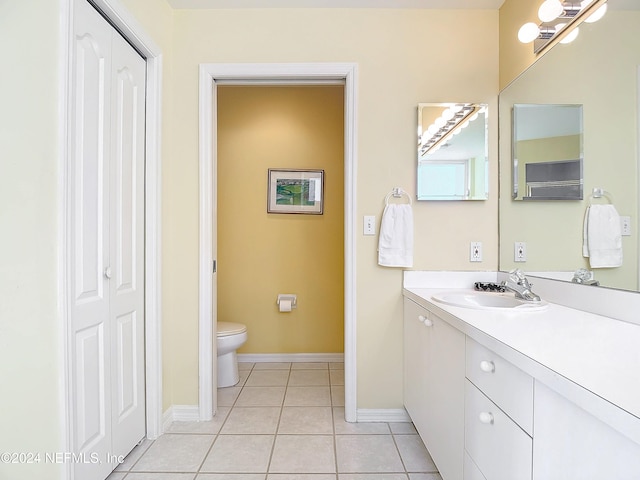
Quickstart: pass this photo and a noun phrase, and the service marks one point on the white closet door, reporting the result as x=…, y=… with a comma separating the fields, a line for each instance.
x=89, y=254
x=107, y=240
x=127, y=246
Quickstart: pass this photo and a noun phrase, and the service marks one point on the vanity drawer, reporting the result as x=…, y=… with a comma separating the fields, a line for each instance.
x=500, y=449
x=471, y=471
x=508, y=386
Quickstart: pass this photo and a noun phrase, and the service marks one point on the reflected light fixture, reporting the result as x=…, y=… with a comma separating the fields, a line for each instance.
x=449, y=123
x=557, y=16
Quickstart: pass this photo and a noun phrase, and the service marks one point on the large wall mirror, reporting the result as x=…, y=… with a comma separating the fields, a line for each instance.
x=600, y=71
x=452, y=151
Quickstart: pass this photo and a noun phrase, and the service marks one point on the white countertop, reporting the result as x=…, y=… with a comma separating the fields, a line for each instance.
x=573, y=351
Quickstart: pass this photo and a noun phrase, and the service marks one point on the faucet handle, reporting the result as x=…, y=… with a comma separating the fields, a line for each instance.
x=517, y=276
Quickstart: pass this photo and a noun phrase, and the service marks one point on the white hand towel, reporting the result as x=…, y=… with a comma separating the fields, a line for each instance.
x=395, y=244
x=602, y=241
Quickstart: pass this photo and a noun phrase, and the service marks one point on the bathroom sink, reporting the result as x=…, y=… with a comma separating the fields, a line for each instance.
x=487, y=301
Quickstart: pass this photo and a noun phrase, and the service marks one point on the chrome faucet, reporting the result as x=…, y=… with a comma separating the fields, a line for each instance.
x=584, y=277
x=518, y=284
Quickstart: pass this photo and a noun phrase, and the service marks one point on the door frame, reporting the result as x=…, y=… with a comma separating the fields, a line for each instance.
x=210, y=74
x=130, y=29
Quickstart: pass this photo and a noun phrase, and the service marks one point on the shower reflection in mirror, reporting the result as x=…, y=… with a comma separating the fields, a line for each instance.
x=452, y=151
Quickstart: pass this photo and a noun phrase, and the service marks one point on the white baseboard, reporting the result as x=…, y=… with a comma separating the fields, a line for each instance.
x=180, y=413
x=290, y=357
x=392, y=415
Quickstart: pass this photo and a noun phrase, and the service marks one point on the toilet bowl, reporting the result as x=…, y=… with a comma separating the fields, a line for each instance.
x=229, y=338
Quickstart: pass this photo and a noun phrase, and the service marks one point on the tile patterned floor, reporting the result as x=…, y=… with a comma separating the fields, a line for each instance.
x=282, y=421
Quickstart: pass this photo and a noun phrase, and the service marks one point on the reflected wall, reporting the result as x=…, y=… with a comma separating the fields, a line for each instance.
x=599, y=71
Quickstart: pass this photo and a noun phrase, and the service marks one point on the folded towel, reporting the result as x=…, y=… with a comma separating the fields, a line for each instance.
x=395, y=244
x=602, y=236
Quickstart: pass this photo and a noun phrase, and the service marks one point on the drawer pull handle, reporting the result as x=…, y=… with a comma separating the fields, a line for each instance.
x=487, y=366
x=425, y=321
x=486, y=418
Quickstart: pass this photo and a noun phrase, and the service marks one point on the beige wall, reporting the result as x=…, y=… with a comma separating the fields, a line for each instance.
x=403, y=58
x=263, y=254
x=30, y=306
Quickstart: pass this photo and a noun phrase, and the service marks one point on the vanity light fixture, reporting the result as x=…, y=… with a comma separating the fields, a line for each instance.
x=557, y=17
x=451, y=122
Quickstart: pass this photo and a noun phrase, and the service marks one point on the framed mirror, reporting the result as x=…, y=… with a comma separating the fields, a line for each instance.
x=452, y=151
x=547, y=152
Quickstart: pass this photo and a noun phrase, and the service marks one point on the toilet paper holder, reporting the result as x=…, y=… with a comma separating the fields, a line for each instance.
x=288, y=297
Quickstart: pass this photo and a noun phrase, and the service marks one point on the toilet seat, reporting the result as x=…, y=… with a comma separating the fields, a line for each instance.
x=229, y=328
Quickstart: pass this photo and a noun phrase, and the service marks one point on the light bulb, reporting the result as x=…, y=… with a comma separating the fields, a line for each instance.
x=550, y=10
x=456, y=108
x=440, y=122
x=448, y=114
x=432, y=130
x=571, y=36
x=528, y=32
x=474, y=117
x=597, y=15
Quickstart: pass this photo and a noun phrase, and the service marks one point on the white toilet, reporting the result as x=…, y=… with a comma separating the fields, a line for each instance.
x=230, y=337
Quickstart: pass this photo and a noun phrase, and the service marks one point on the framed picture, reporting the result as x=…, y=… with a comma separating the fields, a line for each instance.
x=295, y=191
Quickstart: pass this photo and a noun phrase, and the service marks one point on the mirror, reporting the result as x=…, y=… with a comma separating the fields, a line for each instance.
x=452, y=151
x=547, y=152
x=599, y=71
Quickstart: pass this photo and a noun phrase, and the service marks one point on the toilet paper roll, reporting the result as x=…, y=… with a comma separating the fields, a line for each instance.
x=285, y=305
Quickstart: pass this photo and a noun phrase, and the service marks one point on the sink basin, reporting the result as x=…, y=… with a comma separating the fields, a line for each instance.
x=487, y=301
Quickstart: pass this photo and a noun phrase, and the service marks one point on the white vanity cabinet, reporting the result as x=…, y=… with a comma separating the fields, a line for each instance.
x=537, y=396
x=571, y=443
x=434, y=354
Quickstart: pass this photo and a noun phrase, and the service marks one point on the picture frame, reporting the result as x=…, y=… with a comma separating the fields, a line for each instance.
x=295, y=191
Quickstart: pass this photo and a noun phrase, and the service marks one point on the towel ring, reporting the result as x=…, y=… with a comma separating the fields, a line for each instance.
x=397, y=192
x=599, y=193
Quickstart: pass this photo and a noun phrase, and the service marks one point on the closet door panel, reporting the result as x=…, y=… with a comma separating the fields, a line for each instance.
x=127, y=245
x=89, y=240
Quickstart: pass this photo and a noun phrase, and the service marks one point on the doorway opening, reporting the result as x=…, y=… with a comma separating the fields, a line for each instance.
x=285, y=129
x=212, y=75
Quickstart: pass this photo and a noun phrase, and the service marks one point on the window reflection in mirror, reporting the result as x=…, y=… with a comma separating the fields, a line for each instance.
x=452, y=151
x=547, y=152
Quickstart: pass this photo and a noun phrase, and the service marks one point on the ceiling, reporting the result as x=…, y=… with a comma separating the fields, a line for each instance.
x=429, y=4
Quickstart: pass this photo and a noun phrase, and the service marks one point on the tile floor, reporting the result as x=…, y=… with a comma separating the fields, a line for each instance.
x=282, y=421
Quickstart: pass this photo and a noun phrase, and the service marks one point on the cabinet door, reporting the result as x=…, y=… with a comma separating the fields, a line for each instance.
x=570, y=443
x=434, y=386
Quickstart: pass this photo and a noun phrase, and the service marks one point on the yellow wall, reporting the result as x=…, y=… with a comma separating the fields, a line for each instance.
x=263, y=254
x=396, y=71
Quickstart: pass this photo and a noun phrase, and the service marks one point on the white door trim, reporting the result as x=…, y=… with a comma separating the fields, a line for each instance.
x=211, y=73
x=135, y=34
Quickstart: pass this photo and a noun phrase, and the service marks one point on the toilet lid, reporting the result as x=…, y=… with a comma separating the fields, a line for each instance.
x=230, y=328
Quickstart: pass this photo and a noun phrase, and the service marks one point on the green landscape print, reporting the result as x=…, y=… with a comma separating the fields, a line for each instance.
x=291, y=191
